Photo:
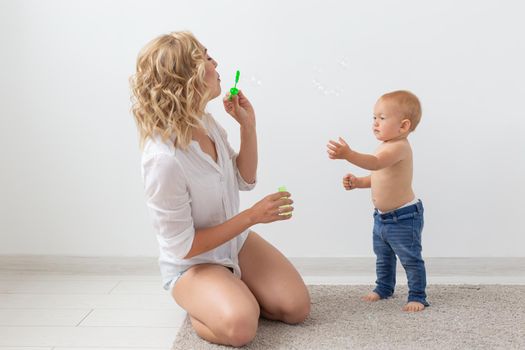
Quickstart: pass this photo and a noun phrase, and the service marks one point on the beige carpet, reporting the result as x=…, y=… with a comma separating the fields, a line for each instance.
x=460, y=317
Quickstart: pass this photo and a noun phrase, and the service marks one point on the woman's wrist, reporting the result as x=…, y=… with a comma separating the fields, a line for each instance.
x=248, y=127
x=249, y=217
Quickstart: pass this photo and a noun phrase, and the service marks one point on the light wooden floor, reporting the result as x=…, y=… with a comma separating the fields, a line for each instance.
x=118, y=303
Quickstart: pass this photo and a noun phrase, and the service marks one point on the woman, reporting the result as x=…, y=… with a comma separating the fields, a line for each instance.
x=223, y=274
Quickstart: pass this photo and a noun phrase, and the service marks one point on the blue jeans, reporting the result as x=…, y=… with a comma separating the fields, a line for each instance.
x=398, y=232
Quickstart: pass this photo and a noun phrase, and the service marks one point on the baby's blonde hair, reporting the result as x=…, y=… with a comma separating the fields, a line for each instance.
x=169, y=90
x=409, y=103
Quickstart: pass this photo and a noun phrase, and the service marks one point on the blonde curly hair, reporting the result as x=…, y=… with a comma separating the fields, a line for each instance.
x=169, y=90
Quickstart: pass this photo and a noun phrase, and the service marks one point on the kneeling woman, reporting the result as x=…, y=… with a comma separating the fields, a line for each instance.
x=222, y=273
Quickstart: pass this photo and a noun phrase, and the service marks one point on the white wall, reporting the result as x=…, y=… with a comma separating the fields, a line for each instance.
x=70, y=179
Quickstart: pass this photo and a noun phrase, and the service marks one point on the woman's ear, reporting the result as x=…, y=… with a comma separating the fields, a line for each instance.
x=405, y=126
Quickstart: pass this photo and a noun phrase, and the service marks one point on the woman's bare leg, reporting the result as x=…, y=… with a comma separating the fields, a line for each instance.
x=274, y=281
x=222, y=309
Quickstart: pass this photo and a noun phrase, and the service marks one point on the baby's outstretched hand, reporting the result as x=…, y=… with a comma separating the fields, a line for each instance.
x=349, y=182
x=338, y=150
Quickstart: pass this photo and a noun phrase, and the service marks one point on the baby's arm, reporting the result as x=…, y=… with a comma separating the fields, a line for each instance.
x=389, y=154
x=363, y=182
x=351, y=182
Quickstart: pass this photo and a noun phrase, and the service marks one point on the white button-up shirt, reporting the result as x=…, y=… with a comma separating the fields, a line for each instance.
x=187, y=190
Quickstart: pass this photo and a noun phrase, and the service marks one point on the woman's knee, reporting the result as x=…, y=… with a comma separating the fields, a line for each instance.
x=292, y=309
x=240, y=328
x=296, y=311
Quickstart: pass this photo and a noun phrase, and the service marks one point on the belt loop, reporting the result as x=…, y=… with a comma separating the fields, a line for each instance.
x=395, y=214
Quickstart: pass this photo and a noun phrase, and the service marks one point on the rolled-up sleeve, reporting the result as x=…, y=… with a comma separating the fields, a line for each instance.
x=168, y=202
x=243, y=185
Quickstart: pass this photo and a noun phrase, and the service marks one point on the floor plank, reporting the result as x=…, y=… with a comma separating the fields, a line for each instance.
x=42, y=317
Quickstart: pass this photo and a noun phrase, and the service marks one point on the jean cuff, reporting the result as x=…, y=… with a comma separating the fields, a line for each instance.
x=381, y=294
x=422, y=301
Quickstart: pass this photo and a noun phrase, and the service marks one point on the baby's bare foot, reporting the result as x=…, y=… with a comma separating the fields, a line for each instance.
x=413, y=306
x=372, y=296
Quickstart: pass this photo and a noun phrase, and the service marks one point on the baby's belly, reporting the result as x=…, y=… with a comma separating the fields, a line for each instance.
x=388, y=200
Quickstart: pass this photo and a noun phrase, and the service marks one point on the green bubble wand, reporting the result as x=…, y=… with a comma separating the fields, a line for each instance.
x=234, y=91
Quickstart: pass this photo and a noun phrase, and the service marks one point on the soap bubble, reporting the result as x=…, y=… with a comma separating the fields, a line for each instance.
x=323, y=90
x=343, y=62
x=320, y=72
x=256, y=81
x=318, y=85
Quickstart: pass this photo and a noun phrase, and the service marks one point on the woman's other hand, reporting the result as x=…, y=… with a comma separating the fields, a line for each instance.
x=276, y=206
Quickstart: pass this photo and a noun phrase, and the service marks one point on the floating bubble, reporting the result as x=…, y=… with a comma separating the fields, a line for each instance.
x=255, y=80
x=320, y=87
x=343, y=62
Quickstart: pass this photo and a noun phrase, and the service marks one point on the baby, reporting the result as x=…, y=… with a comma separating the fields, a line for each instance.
x=398, y=214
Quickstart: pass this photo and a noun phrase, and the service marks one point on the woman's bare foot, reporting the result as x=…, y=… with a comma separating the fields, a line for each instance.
x=413, y=306
x=372, y=296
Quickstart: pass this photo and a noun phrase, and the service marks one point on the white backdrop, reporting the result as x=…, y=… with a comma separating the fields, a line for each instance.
x=70, y=180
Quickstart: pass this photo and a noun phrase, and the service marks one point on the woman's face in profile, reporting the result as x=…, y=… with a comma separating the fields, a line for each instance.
x=212, y=77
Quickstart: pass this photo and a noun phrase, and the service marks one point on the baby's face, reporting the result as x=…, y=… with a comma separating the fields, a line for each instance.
x=387, y=120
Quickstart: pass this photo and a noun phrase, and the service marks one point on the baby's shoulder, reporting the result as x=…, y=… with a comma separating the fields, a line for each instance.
x=396, y=146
